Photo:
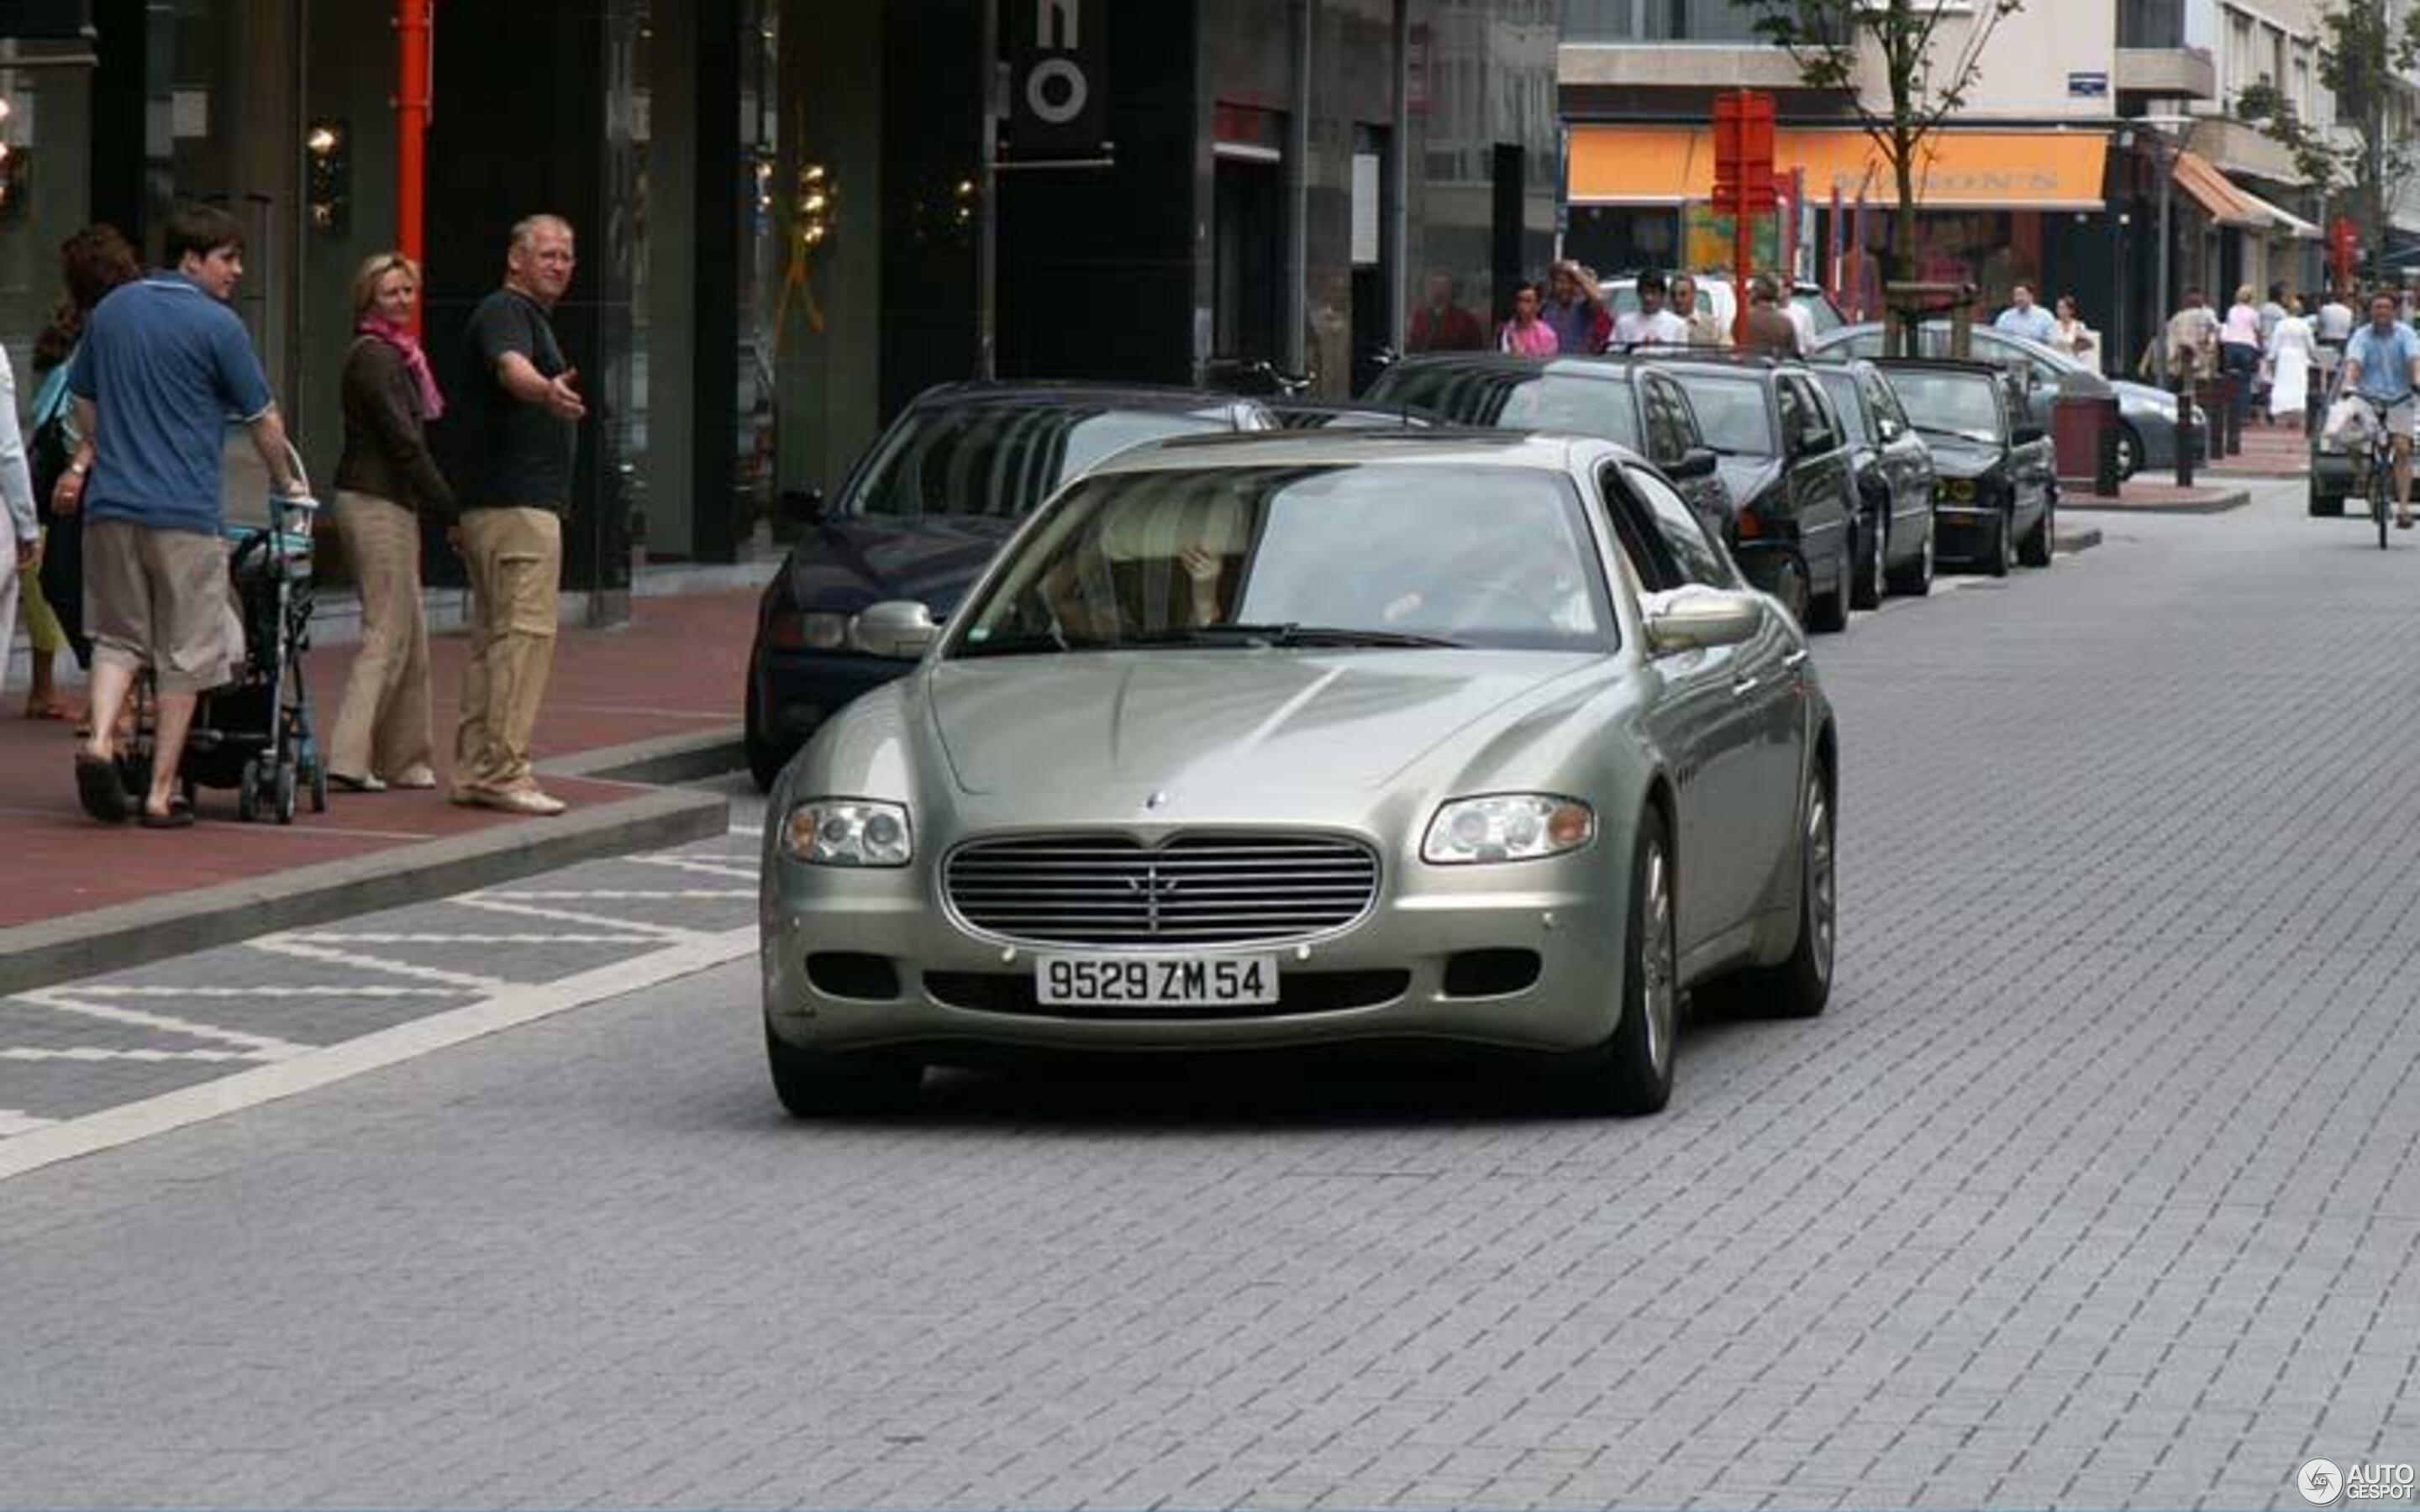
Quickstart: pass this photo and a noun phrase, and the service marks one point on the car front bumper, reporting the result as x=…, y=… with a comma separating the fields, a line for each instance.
x=1384, y=979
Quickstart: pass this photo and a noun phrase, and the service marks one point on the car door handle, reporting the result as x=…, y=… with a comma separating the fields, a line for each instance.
x=1796, y=659
x=1743, y=687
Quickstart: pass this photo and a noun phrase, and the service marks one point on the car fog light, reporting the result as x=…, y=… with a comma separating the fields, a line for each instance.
x=1515, y=827
x=848, y=832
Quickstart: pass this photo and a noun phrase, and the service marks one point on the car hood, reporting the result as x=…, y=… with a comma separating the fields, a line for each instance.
x=848, y=561
x=1747, y=477
x=1211, y=721
x=2144, y=397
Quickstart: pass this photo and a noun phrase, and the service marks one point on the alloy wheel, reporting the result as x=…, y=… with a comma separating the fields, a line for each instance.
x=1821, y=902
x=1659, y=974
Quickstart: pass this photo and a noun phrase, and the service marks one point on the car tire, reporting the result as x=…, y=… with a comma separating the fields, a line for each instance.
x=1916, y=581
x=2001, y=554
x=2129, y=451
x=1630, y=1074
x=1871, y=548
x=1828, y=613
x=2041, y=545
x=1789, y=586
x=814, y=1085
x=2326, y=506
x=1801, y=986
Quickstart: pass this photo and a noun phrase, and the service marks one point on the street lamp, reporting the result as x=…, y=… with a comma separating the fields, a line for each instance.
x=2165, y=150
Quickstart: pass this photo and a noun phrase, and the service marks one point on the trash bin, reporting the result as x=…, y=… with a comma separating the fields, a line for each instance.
x=2084, y=432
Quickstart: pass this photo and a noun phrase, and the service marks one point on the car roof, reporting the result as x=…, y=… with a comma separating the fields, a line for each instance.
x=1043, y=393
x=1611, y=366
x=1941, y=364
x=1714, y=359
x=1458, y=445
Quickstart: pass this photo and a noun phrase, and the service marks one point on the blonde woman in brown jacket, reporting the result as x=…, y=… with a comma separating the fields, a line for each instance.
x=385, y=482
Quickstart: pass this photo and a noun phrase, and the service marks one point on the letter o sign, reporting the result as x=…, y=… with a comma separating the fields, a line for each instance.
x=1072, y=91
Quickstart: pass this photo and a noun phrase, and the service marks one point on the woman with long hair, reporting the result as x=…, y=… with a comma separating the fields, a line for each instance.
x=92, y=262
x=385, y=481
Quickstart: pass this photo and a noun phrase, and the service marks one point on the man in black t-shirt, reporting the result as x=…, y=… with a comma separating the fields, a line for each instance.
x=522, y=412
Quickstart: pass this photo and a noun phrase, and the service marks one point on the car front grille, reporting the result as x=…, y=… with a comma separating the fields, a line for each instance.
x=1193, y=890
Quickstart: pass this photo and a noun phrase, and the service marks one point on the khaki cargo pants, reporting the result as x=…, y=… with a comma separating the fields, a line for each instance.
x=515, y=555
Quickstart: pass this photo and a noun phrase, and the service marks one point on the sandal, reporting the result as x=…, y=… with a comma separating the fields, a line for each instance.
x=179, y=816
x=98, y=790
x=356, y=784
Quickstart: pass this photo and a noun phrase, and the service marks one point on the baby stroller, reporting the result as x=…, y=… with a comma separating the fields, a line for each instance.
x=254, y=733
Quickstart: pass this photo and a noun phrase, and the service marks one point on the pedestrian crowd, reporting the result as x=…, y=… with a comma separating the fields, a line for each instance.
x=1570, y=314
x=114, y=495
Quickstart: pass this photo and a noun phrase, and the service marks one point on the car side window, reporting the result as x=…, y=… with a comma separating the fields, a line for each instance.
x=1654, y=425
x=1794, y=414
x=1683, y=536
x=1822, y=426
x=1884, y=405
x=1683, y=419
x=1634, y=528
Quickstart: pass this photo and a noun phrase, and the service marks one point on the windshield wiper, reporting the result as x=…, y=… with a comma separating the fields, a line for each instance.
x=1013, y=646
x=1290, y=633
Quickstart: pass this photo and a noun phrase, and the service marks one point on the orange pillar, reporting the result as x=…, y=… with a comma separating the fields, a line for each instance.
x=414, y=26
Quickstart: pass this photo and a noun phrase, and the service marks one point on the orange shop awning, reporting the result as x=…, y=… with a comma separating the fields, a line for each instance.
x=2227, y=205
x=1961, y=170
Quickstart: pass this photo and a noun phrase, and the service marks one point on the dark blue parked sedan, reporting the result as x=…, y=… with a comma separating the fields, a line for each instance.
x=919, y=518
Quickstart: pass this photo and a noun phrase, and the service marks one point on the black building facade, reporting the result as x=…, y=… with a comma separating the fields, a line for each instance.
x=786, y=223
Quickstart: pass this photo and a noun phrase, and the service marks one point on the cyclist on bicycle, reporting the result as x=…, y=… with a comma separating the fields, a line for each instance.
x=2382, y=363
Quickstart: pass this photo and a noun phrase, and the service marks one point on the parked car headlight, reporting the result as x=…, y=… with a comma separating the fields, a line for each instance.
x=1955, y=490
x=848, y=832
x=1513, y=827
x=815, y=630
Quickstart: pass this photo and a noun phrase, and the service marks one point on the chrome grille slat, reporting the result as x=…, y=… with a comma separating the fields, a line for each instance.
x=1192, y=889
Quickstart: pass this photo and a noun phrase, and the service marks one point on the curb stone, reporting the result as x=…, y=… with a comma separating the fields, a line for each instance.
x=154, y=929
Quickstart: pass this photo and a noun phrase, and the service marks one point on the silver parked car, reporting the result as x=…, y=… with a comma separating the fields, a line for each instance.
x=1445, y=737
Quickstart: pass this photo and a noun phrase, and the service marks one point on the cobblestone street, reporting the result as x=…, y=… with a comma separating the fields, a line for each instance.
x=2095, y=1186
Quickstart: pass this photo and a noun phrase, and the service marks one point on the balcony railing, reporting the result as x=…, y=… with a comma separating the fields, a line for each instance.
x=2149, y=24
x=1659, y=21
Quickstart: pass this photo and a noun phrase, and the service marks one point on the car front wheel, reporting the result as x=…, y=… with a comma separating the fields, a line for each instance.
x=2001, y=553
x=1873, y=543
x=2129, y=451
x=1630, y=1072
x=812, y=1085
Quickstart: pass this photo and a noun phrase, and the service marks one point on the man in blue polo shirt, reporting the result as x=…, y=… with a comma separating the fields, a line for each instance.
x=2382, y=363
x=2023, y=317
x=164, y=367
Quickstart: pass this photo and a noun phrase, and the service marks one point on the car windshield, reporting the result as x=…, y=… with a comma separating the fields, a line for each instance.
x=1949, y=404
x=1327, y=556
x=1732, y=414
x=1002, y=459
x=1516, y=398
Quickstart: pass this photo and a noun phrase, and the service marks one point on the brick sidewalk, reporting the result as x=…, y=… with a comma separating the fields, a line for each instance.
x=2267, y=451
x=676, y=670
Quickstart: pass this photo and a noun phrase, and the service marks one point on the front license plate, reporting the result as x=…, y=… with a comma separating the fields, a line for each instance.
x=1155, y=981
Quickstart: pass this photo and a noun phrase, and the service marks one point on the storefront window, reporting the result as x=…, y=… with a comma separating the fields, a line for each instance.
x=45, y=164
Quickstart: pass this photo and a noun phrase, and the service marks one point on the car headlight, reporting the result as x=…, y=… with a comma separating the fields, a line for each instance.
x=1956, y=490
x=816, y=630
x=848, y=832
x=1513, y=827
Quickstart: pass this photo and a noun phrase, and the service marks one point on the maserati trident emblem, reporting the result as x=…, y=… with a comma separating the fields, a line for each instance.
x=1155, y=888
x=1157, y=800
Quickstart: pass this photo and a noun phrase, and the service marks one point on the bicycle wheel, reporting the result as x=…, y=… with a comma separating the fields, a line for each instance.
x=2381, y=475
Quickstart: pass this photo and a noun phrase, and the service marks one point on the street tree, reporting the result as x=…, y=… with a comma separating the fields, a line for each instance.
x=1927, y=55
x=2364, y=46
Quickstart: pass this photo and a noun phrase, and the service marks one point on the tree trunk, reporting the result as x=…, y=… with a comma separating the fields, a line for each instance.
x=1899, y=338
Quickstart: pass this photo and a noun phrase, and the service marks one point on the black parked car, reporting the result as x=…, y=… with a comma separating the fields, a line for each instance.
x=1994, y=502
x=1610, y=397
x=919, y=517
x=1894, y=543
x=1785, y=455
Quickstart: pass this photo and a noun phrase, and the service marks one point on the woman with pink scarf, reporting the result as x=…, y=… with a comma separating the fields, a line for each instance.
x=386, y=482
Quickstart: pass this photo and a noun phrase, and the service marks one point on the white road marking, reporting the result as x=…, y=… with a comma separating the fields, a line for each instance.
x=354, y=990
x=744, y=871
x=566, y=915
x=73, y=1002
x=287, y=945
x=12, y=1123
x=625, y=895
x=321, y=937
x=95, y=1053
x=318, y=1068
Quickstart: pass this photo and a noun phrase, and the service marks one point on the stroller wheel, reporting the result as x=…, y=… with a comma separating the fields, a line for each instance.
x=247, y=793
x=285, y=793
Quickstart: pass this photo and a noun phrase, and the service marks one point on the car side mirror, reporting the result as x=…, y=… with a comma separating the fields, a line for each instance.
x=1693, y=617
x=897, y=628
x=2028, y=435
x=803, y=506
x=1697, y=462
